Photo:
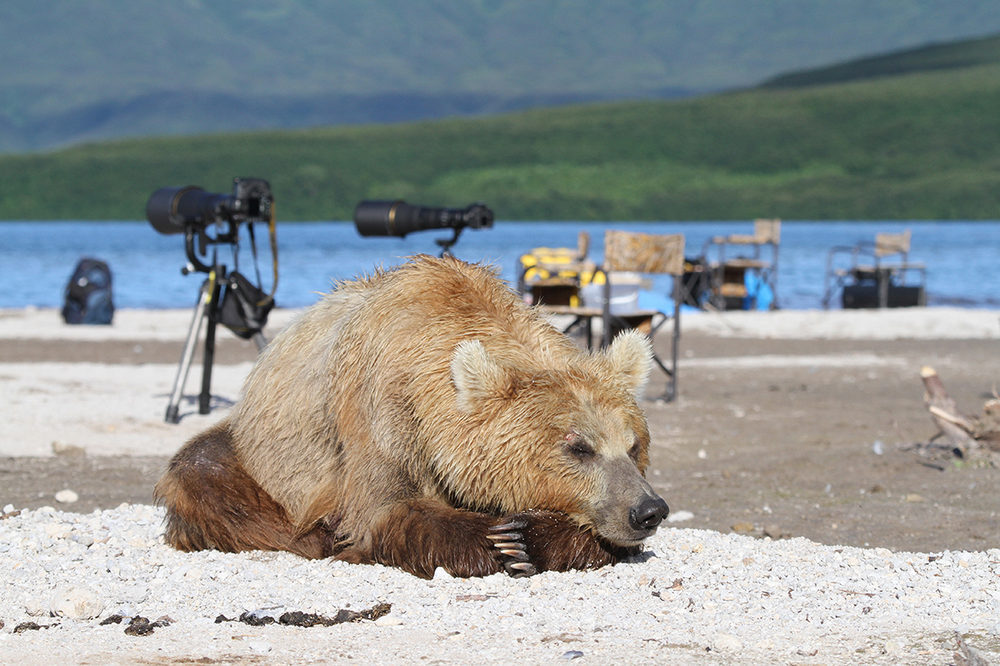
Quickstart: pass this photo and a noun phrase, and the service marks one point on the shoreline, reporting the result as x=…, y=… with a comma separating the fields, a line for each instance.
x=929, y=322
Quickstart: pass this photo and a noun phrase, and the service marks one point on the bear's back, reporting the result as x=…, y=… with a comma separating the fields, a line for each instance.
x=348, y=386
x=429, y=305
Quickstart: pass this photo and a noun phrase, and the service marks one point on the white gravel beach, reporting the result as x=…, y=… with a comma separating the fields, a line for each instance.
x=693, y=595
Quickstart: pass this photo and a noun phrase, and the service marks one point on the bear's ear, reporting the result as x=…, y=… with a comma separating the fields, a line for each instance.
x=631, y=357
x=475, y=374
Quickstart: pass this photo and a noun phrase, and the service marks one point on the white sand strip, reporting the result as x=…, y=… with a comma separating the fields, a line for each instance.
x=900, y=323
x=106, y=409
x=894, y=324
x=47, y=324
x=861, y=359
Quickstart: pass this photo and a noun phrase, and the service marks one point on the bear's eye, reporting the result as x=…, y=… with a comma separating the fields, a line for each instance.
x=580, y=448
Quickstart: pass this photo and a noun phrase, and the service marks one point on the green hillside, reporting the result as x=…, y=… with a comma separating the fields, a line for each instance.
x=918, y=145
x=956, y=55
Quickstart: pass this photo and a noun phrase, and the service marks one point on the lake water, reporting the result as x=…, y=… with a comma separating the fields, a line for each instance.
x=37, y=258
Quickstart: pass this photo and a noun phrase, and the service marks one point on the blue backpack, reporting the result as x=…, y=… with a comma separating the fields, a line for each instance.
x=88, y=294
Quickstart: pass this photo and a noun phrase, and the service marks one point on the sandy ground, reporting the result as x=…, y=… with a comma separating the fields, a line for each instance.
x=788, y=424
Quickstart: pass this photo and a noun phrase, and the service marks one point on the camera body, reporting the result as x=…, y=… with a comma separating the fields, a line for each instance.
x=174, y=210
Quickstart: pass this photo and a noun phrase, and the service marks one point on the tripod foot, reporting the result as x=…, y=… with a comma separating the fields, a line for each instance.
x=173, y=415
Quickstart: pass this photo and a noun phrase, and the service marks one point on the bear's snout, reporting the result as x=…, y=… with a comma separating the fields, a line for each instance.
x=648, y=514
x=630, y=510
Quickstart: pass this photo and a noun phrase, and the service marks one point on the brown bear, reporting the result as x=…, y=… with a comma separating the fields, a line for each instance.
x=426, y=417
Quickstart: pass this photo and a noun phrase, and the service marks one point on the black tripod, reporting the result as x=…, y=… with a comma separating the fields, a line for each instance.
x=209, y=307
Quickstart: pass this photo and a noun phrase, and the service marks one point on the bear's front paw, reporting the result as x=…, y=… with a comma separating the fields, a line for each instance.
x=508, y=539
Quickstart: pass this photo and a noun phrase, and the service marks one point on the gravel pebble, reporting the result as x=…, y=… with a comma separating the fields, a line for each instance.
x=66, y=496
x=691, y=594
x=78, y=603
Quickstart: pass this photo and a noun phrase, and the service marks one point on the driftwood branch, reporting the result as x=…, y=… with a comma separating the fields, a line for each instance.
x=960, y=421
x=963, y=433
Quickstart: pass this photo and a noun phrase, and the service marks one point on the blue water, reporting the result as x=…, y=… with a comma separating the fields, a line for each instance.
x=36, y=258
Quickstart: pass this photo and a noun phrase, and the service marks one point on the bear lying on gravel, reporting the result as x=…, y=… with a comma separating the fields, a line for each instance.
x=422, y=418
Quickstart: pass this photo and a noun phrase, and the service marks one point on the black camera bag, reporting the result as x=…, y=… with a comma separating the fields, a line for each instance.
x=244, y=306
x=88, y=294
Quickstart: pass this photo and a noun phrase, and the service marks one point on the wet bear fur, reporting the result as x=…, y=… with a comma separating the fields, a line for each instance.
x=425, y=417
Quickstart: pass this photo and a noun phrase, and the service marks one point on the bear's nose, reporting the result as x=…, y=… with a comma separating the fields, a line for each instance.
x=648, y=513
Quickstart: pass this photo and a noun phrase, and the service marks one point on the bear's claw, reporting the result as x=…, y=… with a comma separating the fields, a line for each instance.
x=505, y=536
x=523, y=569
x=513, y=554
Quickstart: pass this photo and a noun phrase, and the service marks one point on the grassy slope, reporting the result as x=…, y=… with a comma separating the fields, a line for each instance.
x=919, y=145
x=953, y=55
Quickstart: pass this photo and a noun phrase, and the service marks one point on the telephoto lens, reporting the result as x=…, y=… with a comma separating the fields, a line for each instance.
x=383, y=218
x=172, y=209
x=398, y=218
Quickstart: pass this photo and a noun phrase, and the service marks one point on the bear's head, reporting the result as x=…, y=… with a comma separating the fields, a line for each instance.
x=565, y=436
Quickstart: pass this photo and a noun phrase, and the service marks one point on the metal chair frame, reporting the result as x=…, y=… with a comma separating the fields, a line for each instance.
x=866, y=261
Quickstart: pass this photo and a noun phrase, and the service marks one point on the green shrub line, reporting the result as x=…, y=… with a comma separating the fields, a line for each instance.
x=920, y=145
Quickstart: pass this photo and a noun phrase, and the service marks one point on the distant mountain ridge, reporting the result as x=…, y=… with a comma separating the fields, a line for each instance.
x=924, y=144
x=204, y=112
x=77, y=71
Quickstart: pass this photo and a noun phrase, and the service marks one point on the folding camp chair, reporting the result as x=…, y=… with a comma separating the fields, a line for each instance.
x=875, y=275
x=553, y=275
x=627, y=257
x=728, y=275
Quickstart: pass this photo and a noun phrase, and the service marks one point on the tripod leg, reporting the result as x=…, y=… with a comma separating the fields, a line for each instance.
x=172, y=415
x=205, y=397
x=260, y=341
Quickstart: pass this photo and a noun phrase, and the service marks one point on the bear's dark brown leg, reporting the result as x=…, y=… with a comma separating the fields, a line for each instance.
x=213, y=503
x=420, y=535
x=550, y=541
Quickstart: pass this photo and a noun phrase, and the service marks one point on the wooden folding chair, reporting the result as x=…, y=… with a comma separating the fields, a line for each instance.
x=645, y=254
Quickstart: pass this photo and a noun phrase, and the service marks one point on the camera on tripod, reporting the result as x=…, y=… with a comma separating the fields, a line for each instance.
x=211, y=219
x=193, y=211
x=398, y=218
